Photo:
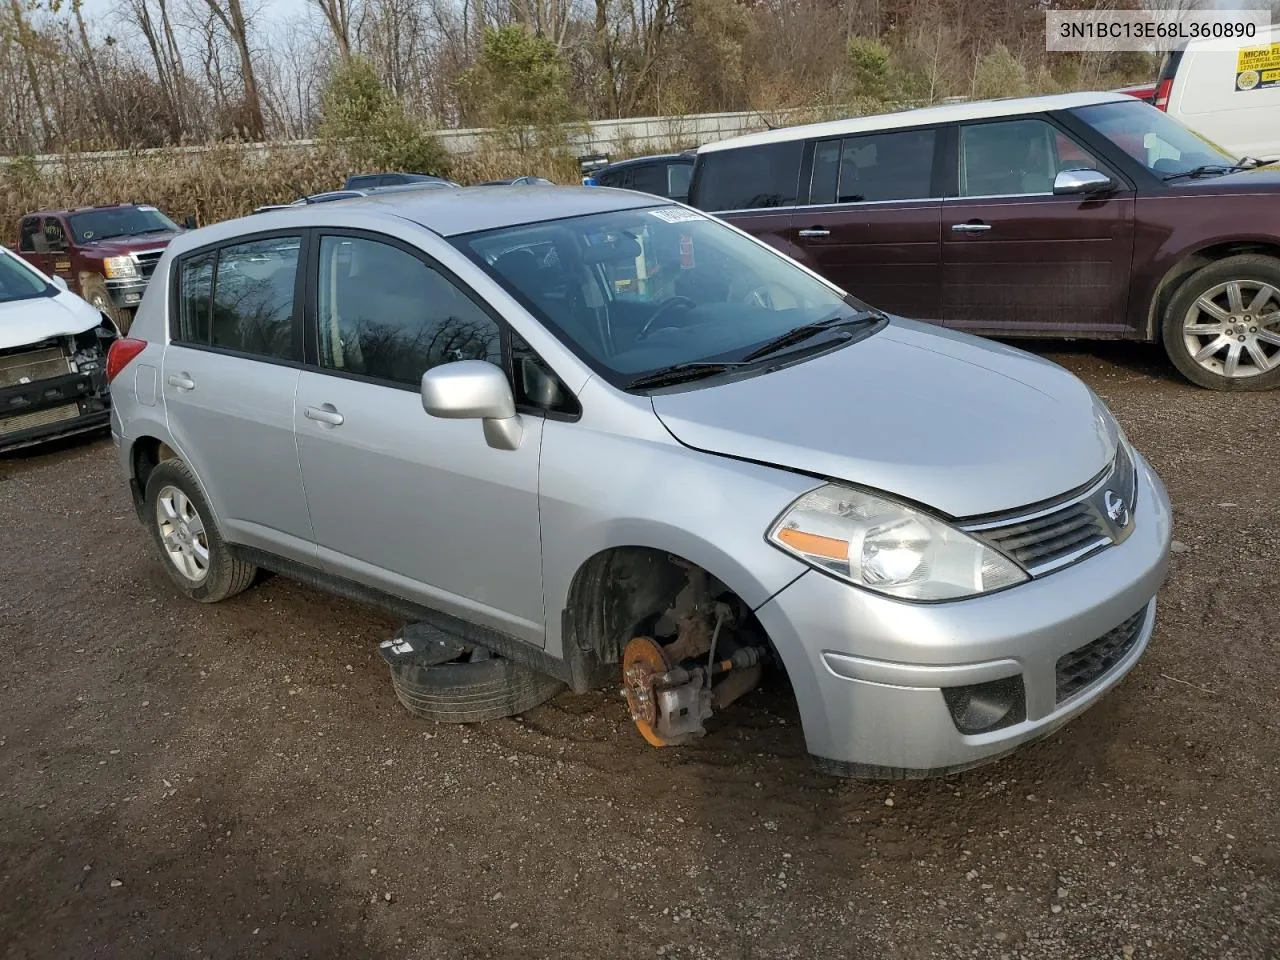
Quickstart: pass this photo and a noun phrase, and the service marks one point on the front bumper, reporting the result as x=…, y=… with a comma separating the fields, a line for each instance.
x=126, y=294
x=868, y=671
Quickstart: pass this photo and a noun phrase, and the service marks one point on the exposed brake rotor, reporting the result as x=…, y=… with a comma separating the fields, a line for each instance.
x=643, y=662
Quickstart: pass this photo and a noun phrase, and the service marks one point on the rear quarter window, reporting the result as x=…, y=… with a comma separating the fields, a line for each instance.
x=748, y=177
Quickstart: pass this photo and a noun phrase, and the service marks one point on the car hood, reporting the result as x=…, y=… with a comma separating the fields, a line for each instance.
x=122, y=246
x=962, y=425
x=24, y=322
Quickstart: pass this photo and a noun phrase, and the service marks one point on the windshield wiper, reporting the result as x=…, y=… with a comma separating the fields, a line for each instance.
x=683, y=372
x=1201, y=171
x=808, y=330
x=1253, y=163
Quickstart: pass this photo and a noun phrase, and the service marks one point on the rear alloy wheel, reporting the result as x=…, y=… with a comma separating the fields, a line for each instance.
x=182, y=525
x=1222, y=329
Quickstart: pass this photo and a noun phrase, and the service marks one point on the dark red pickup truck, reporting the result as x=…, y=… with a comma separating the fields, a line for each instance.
x=105, y=254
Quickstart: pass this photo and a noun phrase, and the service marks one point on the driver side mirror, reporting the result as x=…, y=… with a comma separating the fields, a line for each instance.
x=1082, y=182
x=474, y=390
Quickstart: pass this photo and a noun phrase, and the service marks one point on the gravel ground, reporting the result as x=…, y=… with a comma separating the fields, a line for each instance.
x=238, y=780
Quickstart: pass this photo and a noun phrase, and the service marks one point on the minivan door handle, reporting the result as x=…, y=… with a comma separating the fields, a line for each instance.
x=971, y=227
x=325, y=414
x=182, y=381
x=814, y=232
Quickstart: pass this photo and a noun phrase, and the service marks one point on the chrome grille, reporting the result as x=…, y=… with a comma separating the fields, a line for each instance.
x=147, y=260
x=1071, y=529
x=1081, y=667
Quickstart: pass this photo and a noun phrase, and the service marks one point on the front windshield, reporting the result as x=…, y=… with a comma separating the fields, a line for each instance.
x=1153, y=138
x=20, y=282
x=637, y=291
x=118, y=222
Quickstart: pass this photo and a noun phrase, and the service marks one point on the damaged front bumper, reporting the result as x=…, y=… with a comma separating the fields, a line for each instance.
x=53, y=390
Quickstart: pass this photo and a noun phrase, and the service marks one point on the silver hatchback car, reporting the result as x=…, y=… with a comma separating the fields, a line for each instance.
x=585, y=437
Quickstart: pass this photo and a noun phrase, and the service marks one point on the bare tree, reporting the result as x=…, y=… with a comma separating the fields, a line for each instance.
x=230, y=14
x=337, y=14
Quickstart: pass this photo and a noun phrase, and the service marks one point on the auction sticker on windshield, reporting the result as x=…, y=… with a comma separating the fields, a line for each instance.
x=1258, y=67
x=675, y=214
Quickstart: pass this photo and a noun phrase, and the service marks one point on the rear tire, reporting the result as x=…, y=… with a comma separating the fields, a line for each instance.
x=95, y=291
x=471, y=691
x=1222, y=328
x=192, y=550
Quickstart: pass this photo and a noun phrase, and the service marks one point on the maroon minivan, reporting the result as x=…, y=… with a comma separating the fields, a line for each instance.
x=1089, y=215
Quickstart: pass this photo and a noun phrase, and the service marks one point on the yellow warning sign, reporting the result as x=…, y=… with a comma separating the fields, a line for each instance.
x=1258, y=67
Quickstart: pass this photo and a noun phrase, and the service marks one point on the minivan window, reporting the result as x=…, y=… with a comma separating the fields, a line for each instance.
x=1153, y=138
x=634, y=291
x=1014, y=157
x=253, y=294
x=384, y=313
x=749, y=177
x=895, y=165
x=649, y=178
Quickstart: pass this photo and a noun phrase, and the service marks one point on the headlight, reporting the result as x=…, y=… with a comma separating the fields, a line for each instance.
x=889, y=547
x=119, y=268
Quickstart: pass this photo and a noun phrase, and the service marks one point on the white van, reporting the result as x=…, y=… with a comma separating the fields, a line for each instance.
x=1232, y=97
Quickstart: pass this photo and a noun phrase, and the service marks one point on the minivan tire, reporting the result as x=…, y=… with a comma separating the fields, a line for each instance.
x=1251, y=270
x=471, y=691
x=225, y=575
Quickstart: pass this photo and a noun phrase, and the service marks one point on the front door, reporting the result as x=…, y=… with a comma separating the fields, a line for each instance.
x=1018, y=260
x=229, y=378
x=872, y=221
x=32, y=245
x=419, y=507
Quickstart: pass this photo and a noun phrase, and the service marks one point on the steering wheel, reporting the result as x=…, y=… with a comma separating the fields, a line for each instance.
x=665, y=307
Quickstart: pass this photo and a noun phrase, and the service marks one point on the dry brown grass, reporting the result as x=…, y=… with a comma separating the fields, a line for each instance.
x=225, y=182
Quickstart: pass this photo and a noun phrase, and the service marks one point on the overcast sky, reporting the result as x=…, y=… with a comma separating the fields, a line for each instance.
x=103, y=17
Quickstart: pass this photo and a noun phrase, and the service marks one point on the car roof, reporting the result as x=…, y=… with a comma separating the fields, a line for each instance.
x=653, y=158
x=446, y=212
x=64, y=211
x=944, y=113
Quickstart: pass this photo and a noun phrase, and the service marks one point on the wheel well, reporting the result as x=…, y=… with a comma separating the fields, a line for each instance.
x=1184, y=268
x=622, y=592
x=148, y=453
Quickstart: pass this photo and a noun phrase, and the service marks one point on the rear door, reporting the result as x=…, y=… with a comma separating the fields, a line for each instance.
x=1019, y=260
x=872, y=221
x=229, y=376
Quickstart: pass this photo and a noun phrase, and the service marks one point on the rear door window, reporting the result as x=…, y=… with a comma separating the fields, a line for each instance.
x=749, y=177
x=896, y=165
x=678, y=177
x=649, y=178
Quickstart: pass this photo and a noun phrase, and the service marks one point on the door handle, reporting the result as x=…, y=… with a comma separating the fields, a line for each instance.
x=326, y=415
x=970, y=227
x=814, y=232
x=182, y=381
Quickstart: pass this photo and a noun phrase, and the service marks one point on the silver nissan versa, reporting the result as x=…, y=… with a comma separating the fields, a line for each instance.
x=584, y=437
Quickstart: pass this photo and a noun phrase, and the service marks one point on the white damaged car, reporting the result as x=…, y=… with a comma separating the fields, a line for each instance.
x=53, y=350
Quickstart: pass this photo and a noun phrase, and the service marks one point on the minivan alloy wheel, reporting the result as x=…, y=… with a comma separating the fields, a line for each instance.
x=182, y=534
x=1233, y=328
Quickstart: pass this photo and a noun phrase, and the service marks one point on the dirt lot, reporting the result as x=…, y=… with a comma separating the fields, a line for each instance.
x=237, y=780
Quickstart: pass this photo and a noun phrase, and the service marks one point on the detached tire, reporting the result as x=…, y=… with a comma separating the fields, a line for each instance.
x=95, y=291
x=471, y=690
x=1222, y=328
x=192, y=550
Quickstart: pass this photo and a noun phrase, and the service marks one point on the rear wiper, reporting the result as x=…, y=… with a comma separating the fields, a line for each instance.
x=683, y=372
x=1201, y=171
x=808, y=330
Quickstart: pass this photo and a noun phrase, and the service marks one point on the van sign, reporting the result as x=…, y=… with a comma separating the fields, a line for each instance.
x=1258, y=67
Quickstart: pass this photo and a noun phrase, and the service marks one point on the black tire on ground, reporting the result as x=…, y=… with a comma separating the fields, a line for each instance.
x=226, y=575
x=1254, y=270
x=463, y=691
x=94, y=290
